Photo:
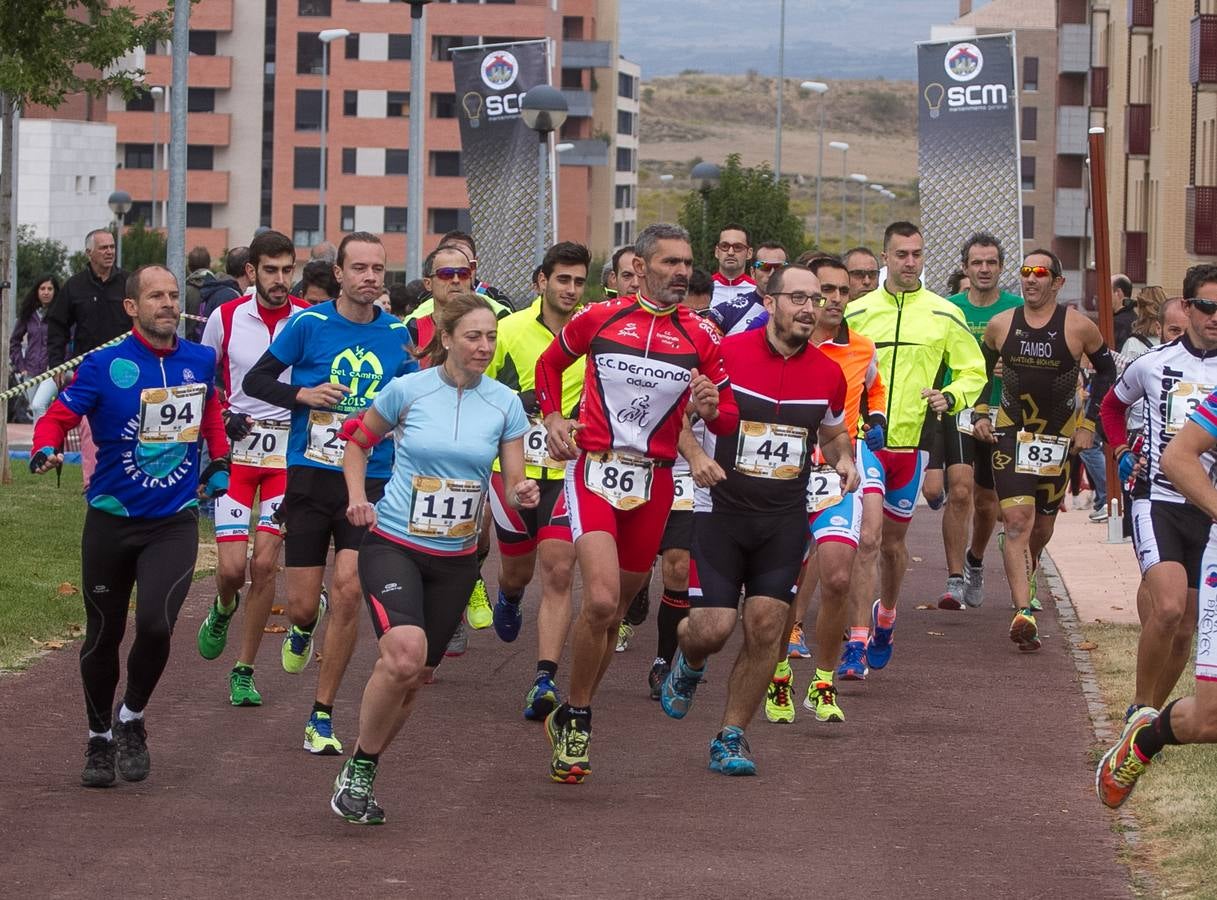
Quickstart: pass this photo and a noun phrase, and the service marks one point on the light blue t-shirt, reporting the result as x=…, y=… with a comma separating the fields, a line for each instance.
x=445, y=441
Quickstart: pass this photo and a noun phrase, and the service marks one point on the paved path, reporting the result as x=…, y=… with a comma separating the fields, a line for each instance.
x=1101, y=577
x=962, y=771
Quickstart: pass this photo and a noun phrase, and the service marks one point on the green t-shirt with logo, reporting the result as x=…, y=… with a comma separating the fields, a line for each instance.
x=978, y=320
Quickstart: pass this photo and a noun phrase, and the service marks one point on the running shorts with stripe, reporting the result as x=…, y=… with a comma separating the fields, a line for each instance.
x=520, y=530
x=636, y=532
x=1022, y=488
x=1169, y=532
x=760, y=554
x=234, y=508
x=902, y=472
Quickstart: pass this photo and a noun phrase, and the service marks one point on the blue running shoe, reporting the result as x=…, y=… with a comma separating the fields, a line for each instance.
x=879, y=647
x=676, y=697
x=542, y=699
x=508, y=617
x=730, y=753
x=853, y=662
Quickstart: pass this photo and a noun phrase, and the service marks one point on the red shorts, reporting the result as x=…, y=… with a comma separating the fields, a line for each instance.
x=233, y=510
x=637, y=532
x=519, y=530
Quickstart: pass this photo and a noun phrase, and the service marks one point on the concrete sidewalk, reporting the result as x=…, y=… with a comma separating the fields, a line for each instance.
x=1101, y=578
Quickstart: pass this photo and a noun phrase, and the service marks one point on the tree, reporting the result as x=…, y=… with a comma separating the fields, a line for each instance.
x=38, y=257
x=49, y=50
x=749, y=197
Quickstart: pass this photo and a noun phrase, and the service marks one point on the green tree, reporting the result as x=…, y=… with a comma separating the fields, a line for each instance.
x=747, y=196
x=142, y=246
x=38, y=257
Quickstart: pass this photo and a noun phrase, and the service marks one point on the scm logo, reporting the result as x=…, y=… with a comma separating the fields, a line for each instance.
x=978, y=95
x=499, y=105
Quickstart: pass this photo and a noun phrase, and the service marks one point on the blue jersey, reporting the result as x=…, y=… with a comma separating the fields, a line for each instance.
x=322, y=346
x=445, y=441
x=738, y=314
x=143, y=479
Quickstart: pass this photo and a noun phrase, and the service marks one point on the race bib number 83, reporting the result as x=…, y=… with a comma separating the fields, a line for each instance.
x=1040, y=454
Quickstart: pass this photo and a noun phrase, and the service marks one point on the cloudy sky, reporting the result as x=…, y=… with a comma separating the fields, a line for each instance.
x=824, y=38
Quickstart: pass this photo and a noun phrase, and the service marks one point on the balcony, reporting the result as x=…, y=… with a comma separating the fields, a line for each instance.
x=201, y=128
x=1136, y=123
x=587, y=54
x=1072, y=123
x=1200, y=221
x=1141, y=16
x=1136, y=253
x=1070, y=212
x=1098, y=87
x=1073, y=48
x=591, y=152
x=205, y=71
x=212, y=15
x=581, y=104
x=202, y=185
x=1203, y=63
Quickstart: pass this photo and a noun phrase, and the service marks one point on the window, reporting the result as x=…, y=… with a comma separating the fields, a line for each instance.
x=314, y=7
x=351, y=46
x=572, y=79
x=625, y=122
x=200, y=100
x=308, y=110
x=622, y=200
x=137, y=156
x=200, y=156
x=308, y=53
x=202, y=43
x=399, y=46
x=306, y=167
x=1028, y=164
x=625, y=160
x=446, y=162
x=140, y=103
x=442, y=43
x=398, y=105
x=346, y=218
x=306, y=225
x=348, y=165
x=140, y=211
x=572, y=28
x=198, y=215
x=350, y=103
x=92, y=184
x=626, y=86
x=397, y=162
x=395, y=219
x=449, y=220
x=1030, y=122
x=443, y=106
x=1028, y=222
x=1031, y=73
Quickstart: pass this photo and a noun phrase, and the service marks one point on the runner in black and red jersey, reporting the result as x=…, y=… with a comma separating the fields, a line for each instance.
x=648, y=357
x=749, y=529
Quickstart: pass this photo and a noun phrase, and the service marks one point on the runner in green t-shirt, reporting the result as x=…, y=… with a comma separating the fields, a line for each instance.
x=964, y=462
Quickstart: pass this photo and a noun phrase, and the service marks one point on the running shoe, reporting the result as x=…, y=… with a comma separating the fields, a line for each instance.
x=213, y=633
x=676, y=696
x=625, y=631
x=319, y=737
x=1024, y=632
x=853, y=662
x=879, y=647
x=298, y=644
x=508, y=617
x=822, y=700
x=1099, y=515
x=353, y=798
x=131, y=749
x=937, y=502
x=478, y=613
x=1121, y=766
x=779, y=708
x=796, y=647
x=657, y=676
x=570, y=763
x=241, y=690
x=99, y=763
x=973, y=585
x=730, y=753
x=542, y=698
x=953, y=597
x=459, y=642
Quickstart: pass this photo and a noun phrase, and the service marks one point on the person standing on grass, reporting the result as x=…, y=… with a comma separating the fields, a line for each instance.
x=27, y=346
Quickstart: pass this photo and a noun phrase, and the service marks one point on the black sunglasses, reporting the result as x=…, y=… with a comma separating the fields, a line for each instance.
x=1208, y=307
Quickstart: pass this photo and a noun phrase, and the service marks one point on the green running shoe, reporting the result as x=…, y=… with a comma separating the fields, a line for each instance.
x=213, y=633
x=298, y=644
x=478, y=613
x=241, y=690
x=353, y=798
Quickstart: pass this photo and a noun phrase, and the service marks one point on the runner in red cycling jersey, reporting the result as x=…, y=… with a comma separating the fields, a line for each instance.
x=648, y=357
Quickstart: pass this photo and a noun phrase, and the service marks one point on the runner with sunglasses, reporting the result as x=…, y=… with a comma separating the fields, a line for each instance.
x=1040, y=346
x=733, y=252
x=743, y=310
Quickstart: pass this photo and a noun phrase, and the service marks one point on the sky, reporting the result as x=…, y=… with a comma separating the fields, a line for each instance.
x=825, y=39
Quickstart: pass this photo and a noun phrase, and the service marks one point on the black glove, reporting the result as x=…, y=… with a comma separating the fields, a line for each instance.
x=236, y=426
x=531, y=406
x=39, y=458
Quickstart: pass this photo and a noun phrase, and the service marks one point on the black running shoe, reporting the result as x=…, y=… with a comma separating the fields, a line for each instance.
x=353, y=798
x=99, y=763
x=132, y=741
x=659, y=671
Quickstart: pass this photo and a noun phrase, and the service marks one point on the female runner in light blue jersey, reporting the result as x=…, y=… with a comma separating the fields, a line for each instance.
x=418, y=562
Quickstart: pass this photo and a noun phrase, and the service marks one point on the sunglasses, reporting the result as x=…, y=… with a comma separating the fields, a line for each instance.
x=728, y=247
x=452, y=273
x=768, y=266
x=863, y=273
x=1208, y=307
x=1038, y=272
x=799, y=298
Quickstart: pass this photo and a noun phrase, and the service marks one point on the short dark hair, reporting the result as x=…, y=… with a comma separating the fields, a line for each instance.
x=1122, y=282
x=700, y=282
x=234, y=262
x=771, y=245
x=982, y=239
x=955, y=281
x=268, y=244
x=778, y=279
x=620, y=252
x=135, y=281
x=826, y=261
x=1040, y=251
x=356, y=237
x=902, y=228
x=566, y=253
x=867, y=250
x=463, y=237
x=536, y=273
x=198, y=258
x=429, y=262
x=319, y=273
x=1198, y=276
x=736, y=226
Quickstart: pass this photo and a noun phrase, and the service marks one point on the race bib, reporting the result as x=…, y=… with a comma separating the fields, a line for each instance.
x=963, y=424
x=171, y=415
x=1182, y=401
x=823, y=489
x=265, y=447
x=621, y=479
x=323, y=443
x=682, y=497
x=770, y=451
x=1040, y=454
x=445, y=507
x=536, y=452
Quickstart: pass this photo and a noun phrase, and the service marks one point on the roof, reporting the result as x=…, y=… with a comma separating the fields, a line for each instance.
x=1012, y=14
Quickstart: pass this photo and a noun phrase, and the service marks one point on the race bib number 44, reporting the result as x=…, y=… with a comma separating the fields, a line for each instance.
x=1182, y=401
x=621, y=479
x=445, y=507
x=1040, y=454
x=771, y=451
x=264, y=447
x=171, y=415
x=323, y=443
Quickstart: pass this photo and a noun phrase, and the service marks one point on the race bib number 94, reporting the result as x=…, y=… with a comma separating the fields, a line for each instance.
x=171, y=415
x=621, y=479
x=445, y=507
x=1040, y=454
x=323, y=444
x=264, y=447
x=771, y=451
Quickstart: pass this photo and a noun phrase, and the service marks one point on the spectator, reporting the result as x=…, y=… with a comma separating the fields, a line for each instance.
x=324, y=251
x=219, y=289
x=1122, y=308
x=317, y=282
x=30, y=330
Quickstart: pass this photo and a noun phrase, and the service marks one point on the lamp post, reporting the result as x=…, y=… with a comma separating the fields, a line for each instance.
x=326, y=37
x=777, y=153
x=708, y=174
x=880, y=190
x=844, y=148
x=861, y=181
x=665, y=180
x=120, y=205
x=818, y=87
x=418, y=121
x=156, y=91
x=543, y=110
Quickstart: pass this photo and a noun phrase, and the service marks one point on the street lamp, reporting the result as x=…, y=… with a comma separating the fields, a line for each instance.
x=543, y=110
x=120, y=205
x=156, y=91
x=880, y=190
x=708, y=174
x=663, y=194
x=418, y=121
x=777, y=153
x=861, y=182
x=818, y=87
x=844, y=148
x=326, y=37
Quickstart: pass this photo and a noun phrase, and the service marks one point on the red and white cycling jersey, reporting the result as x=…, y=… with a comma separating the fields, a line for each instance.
x=727, y=289
x=240, y=331
x=639, y=358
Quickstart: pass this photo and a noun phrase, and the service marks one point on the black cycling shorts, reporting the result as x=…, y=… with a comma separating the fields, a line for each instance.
x=1170, y=532
x=1015, y=489
x=407, y=586
x=759, y=554
x=982, y=465
x=947, y=446
x=314, y=511
x=678, y=533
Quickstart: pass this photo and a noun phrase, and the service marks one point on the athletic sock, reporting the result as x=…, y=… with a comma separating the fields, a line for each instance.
x=974, y=561
x=783, y=670
x=373, y=758
x=229, y=608
x=1149, y=741
x=858, y=634
x=108, y=734
x=126, y=715
x=327, y=708
x=308, y=629
x=886, y=617
x=514, y=597
x=955, y=575
x=583, y=713
x=548, y=667
x=672, y=609
x=824, y=675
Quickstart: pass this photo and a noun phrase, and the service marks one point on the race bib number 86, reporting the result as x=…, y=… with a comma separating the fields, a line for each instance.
x=622, y=479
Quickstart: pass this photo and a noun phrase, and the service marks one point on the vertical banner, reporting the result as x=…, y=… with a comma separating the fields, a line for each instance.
x=499, y=157
x=968, y=157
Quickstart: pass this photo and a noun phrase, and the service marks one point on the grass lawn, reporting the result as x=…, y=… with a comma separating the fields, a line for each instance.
x=1175, y=802
x=40, y=528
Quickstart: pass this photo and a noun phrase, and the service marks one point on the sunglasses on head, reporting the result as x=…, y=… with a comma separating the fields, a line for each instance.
x=1037, y=271
x=768, y=266
x=452, y=273
x=1208, y=307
